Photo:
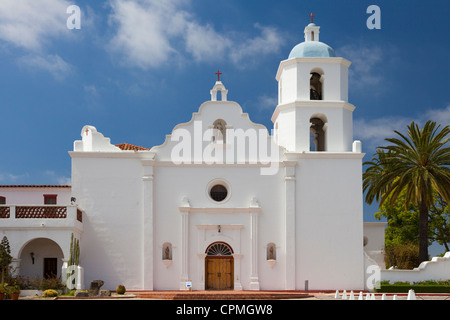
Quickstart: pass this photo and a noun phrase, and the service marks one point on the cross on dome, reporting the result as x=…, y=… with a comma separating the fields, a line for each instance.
x=218, y=73
x=219, y=87
x=312, y=31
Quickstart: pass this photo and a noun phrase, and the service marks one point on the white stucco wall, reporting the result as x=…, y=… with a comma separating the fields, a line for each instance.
x=374, y=236
x=33, y=195
x=329, y=221
x=436, y=269
x=110, y=192
x=46, y=238
x=206, y=215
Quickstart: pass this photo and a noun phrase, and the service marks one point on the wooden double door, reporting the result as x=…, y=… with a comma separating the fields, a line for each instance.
x=219, y=273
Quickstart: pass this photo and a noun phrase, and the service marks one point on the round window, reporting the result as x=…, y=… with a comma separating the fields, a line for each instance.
x=218, y=192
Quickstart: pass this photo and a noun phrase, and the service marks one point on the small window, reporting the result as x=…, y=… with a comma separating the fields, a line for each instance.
x=50, y=198
x=2, y=200
x=218, y=192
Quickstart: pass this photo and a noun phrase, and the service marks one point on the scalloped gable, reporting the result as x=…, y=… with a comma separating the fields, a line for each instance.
x=209, y=112
x=92, y=140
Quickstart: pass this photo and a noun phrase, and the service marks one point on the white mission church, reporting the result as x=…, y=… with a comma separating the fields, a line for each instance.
x=223, y=203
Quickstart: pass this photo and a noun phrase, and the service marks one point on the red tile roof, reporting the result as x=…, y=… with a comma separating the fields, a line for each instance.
x=35, y=186
x=127, y=146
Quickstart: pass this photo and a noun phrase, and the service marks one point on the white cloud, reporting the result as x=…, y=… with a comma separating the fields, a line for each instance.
x=142, y=34
x=64, y=181
x=204, y=43
x=53, y=64
x=374, y=132
x=365, y=60
x=29, y=24
x=54, y=178
x=266, y=102
x=9, y=178
x=150, y=33
x=90, y=89
x=441, y=116
x=269, y=42
x=32, y=25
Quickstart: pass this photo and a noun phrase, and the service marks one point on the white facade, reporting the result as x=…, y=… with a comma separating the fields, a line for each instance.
x=289, y=215
x=39, y=234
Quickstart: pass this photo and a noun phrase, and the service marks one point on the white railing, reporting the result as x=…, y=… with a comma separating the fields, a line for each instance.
x=18, y=216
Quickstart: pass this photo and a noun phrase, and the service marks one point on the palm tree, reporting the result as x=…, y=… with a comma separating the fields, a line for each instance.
x=416, y=163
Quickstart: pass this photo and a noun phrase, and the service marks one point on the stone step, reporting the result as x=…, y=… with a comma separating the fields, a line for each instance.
x=219, y=295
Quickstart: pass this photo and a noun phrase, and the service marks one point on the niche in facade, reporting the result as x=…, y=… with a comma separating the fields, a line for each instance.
x=167, y=254
x=219, y=131
x=271, y=257
x=271, y=251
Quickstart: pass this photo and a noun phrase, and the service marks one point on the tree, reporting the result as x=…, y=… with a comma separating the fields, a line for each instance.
x=402, y=232
x=403, y=222
x=440, y=222
x=416, y=164
x=5, y=257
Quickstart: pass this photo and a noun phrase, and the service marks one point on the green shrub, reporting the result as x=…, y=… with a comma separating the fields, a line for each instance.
x=428, y=286
x=121, y=289
x=402, y=256
x=54, y=283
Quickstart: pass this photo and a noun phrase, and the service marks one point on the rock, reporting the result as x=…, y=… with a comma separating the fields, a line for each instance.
x=81, y=294
x=105, y=293
x=95, y=286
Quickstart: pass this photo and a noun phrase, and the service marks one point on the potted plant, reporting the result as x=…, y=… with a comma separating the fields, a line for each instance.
x=14, y=292
x=121, y=289
x=2, y=292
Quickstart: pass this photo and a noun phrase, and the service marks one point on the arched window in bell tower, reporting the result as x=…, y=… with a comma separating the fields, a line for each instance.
x=315, y=86
x=317, y=130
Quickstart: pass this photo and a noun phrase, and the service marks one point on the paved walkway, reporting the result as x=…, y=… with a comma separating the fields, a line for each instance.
x=271, y=295
x=379, y=296
x=221, y=295
x=246, y=295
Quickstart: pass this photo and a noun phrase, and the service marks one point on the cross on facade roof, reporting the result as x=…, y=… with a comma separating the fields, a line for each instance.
x=312, y=17
x=218, y=75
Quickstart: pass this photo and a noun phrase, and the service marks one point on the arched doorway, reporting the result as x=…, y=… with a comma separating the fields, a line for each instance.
x=41, y=257
x=219, y=267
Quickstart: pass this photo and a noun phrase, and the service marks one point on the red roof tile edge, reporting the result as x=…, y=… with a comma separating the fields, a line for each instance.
x=127, y=146
x=35, y=186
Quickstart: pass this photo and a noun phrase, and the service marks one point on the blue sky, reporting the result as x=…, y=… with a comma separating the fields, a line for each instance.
x=137, y=68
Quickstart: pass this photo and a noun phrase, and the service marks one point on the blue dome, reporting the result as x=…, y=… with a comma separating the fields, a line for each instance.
x=312, y=49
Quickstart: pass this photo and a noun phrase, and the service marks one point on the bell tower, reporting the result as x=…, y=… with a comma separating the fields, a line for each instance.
x=313, y=113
